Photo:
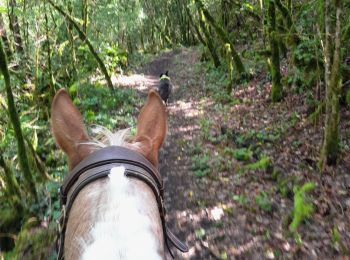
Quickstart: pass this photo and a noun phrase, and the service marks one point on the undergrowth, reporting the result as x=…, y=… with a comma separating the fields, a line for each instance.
x=303, y=208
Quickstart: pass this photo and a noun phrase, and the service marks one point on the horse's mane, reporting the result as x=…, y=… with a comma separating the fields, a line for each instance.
x=103, y=137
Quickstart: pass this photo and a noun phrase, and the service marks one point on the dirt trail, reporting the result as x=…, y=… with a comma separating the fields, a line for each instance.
x=182, y=131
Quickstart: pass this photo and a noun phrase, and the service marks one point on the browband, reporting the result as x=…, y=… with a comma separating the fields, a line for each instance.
x=98, y=165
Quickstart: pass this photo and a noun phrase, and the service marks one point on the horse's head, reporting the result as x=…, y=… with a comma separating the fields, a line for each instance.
x=71, y=136
x=109, y=215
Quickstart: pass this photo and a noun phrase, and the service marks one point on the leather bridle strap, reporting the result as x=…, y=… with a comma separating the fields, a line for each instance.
x=98, y=165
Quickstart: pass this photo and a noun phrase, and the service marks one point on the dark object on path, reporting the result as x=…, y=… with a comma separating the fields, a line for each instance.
x=164, y=88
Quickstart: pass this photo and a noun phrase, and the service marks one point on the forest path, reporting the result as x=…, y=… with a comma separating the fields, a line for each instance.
x=222, y=208
x=175, y=159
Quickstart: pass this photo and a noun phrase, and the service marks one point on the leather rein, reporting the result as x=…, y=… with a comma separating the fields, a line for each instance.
x=98, y=165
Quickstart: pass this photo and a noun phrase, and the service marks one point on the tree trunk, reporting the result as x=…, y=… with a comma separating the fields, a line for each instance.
x=84, y=39
x=49, y=64
x=71, y=41
x=9, y=177
x=330, y=147
x=224, y=37
x=21, y=149
x=194, y=26
x=14, y=27
x=84, y=15
x=274, y=62
x=4, y=38
x=229, y=68
x=12, y=188
x=287, y=17
x=209, y=40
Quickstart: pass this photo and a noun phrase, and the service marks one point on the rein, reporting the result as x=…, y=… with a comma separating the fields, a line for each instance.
x=98, y=165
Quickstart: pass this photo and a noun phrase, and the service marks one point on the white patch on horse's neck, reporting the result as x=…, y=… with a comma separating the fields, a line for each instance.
x=122, y=230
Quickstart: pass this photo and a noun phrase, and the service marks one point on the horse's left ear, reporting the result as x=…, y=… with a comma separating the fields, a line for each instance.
x=151, y=127
x=68, y=128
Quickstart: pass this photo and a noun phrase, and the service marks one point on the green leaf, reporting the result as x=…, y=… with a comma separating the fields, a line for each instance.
x=200, y=233
x=262, y=164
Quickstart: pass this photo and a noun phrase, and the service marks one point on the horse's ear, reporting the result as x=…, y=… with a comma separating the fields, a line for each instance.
x=68, y=128
x=151, y=127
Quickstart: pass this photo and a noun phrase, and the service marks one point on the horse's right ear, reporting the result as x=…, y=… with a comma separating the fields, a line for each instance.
x=68, y=128
x=151, y=127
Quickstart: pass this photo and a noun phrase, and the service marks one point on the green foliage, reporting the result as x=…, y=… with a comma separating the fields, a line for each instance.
x=263, y=201
x=303, y=209
x=40, y=241
x=102, y=107
x=338, y=241
x=217, y=81
x=200, y=165
x=200, y=233
x=241, y=199
x=205, y=124
x=309, y=66
x=348, y=97
x=241, y=154
x=262, y=164
x=114, y=57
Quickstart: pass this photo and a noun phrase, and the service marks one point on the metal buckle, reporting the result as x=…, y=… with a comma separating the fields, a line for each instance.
x=62, y=218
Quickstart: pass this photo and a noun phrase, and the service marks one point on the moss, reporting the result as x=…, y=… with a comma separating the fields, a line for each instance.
x=263, y=164
x=348, y=98
x=10, y=220
x=229, y=67
x=209, y=42
x=276, y=91
x=36, y=243
x=223, y=36
x=302, y=208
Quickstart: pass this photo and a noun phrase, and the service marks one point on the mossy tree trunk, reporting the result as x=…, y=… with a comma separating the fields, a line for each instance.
x=223, y=36
x=14, y=27
x=49, y=63
x=229, y=68
x=209, y=39
x=4, y=37
x=330, y=148
x=70, y=31
x=9, y=178
x=194, y=26
x=84, y=39
x=84, y=15
x=274, y=60
x=21, y=148
x=13, y=192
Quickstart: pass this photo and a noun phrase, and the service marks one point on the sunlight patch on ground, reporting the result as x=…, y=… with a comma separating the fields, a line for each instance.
x=215, y=213
x=238, y=250
x=187, y=128
x=190, y=109
x=140, y=81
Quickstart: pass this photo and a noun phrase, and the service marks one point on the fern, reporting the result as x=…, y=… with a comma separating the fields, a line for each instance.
x=302, y=208
x=262, y=164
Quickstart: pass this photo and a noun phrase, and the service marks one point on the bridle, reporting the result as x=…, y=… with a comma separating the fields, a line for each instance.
x=98, y=165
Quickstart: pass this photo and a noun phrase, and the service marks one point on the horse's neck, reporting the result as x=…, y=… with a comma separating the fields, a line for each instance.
x=115, y=218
